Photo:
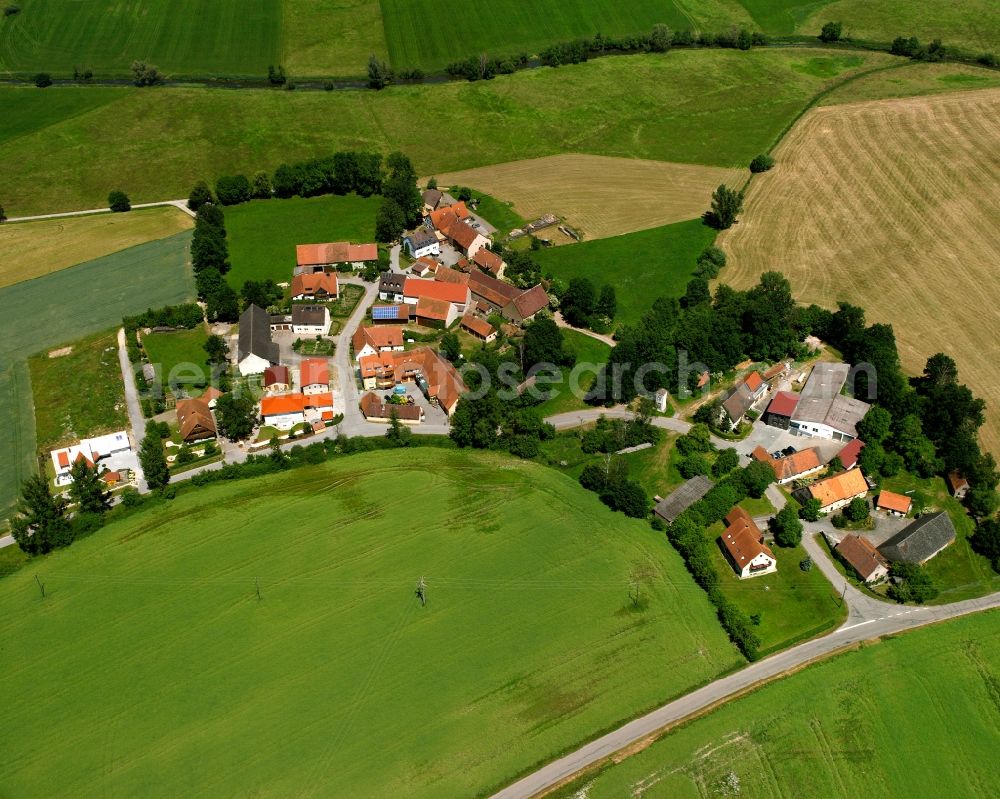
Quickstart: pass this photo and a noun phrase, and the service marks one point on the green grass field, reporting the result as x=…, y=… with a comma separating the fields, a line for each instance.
x=793, y=605
x=179, y=357
x=498, y=213
x=588, y=351
x=641, y=266
x=958, y=572
x=913, y=715
x=65, y=306
x=338, y=682
x=262, y=234
x=509, y=27
x=79, y=394
x=37, y=110
x=223, y=37
x=971, y=24
x=713, y=107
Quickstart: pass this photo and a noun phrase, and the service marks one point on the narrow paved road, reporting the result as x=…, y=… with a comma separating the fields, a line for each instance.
x=180, y=204
x=137, y=421
x=895, y=619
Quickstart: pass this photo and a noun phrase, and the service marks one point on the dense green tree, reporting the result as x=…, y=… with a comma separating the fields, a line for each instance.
x=693, y=465
x=727, y=460
x=607, y=302
x=756, y=477
x=916, y=449
x=786, y=527
x=593, y=477
x=872, y=458
x=87, y=488
x=660, y=38
x=216, y=349
x=262, y=188
x=451, y=347
x=233, y=189
x=262, y=293
x=761, y=163
x=857, y=509
x=200, y=195
x=726, y=206
x=986, y=541
x=768, y=318
x=697, y=439
x=222, y=304
x=579, y=302
x=543, y=343
x=152, y=458
x=379, y=73
x=43, y=80
x=398, y=434
x=236, y=415
x=982, y=501
x=831, y=32
x=390, y=221
x=911, y=583
x=696, y=293
x=40, y=524
x=401, y=186
x=627, y=496
x=144, y=74
x=118, y=201
x=876, y=426
x=810, y=511
x=3, y=214
x=710, y=262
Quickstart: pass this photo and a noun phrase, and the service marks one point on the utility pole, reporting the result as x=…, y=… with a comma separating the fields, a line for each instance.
x=421, y=592
x=41, y=586
x=256, y=584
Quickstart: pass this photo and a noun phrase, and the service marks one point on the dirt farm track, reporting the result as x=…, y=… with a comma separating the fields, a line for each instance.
x=893, y=205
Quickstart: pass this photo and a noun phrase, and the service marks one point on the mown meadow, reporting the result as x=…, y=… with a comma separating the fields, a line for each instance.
x=337, y=668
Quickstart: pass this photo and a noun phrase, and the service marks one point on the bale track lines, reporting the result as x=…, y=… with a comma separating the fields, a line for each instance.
x=599, y=195
x=893, y=205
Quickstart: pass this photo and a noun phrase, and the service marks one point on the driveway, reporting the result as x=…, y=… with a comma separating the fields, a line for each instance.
x=773, y=439
x=137, y=421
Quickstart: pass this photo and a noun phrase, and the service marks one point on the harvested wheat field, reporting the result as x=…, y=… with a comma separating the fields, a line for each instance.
x=33, y=249
x=893, y=205
x=597, y=195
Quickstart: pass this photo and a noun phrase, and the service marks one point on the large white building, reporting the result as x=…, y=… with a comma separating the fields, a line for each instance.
x=107, y=449
x=822, y=411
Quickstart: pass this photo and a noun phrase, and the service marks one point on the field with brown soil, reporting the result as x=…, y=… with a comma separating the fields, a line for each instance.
x=33, y=249
x=893, y=205
x=597, y=195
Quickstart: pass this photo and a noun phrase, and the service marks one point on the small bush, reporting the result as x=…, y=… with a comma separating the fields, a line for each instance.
x=761, y=163
x=832, y=32
x=43, y=80
x=11, y=10
x=118, y=202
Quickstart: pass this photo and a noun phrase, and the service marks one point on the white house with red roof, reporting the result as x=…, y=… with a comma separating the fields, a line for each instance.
x=314, y=376
x=93, y=451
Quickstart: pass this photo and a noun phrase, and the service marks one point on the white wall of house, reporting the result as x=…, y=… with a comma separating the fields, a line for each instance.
x=316, y=388
x=253, y=365
x=434, y=248
x=801, y=475
x=818, y=430
x=365, y=351
x=835, y=506
x=762, y=564
x=284, y=421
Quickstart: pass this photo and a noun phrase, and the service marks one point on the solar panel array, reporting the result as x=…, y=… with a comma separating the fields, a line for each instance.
x=384, y=312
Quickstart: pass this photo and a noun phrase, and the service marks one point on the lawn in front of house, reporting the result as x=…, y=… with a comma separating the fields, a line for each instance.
x=590, y=354
x=78, y=394
x=179, y=356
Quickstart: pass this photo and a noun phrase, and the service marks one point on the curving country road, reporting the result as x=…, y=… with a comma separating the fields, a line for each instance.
x=867, y=619
x=179, y=204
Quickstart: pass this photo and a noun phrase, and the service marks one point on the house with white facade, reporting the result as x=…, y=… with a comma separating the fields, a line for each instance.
x=822, y=411
x=255, y=350
x=744, y=545
x=420, y=243
x=310, y=320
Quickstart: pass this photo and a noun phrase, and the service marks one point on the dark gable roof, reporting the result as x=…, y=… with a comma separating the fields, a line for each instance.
x=392, y=282
x=920, y=540
x=738, y=402
x=255, y=335
x=308, y=315
x=862, y=556
x=682, y=498
x=421, y=238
